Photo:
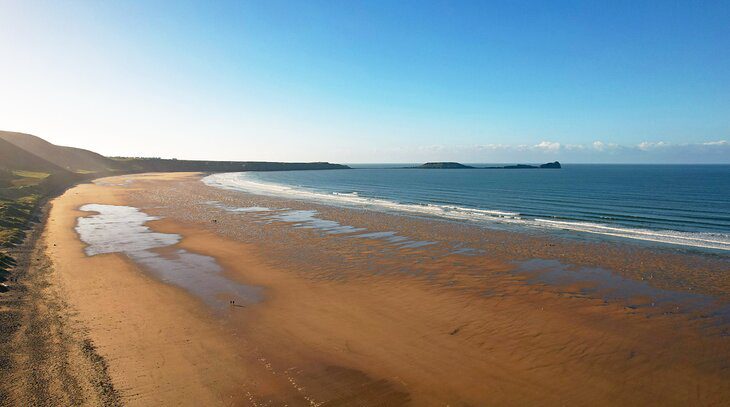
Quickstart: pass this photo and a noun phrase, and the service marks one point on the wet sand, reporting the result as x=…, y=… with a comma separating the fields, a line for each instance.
x=364, y=308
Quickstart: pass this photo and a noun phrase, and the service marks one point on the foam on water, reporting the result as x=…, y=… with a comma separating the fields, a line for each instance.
x=707, y=240
x=244, y=182
x=121, y=229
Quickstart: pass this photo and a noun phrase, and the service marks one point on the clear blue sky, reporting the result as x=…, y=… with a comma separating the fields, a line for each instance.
x=391, y=81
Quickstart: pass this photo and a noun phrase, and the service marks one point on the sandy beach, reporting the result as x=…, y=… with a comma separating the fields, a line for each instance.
x=456, y=315
x=356, y=204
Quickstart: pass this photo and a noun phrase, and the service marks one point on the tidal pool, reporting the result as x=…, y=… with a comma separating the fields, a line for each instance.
x=121, y=229
x=602, y=283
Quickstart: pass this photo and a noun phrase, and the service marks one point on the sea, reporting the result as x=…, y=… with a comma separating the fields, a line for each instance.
x=675, y=206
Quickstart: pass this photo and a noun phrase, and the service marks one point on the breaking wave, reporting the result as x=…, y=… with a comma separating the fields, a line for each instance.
x=244, y=182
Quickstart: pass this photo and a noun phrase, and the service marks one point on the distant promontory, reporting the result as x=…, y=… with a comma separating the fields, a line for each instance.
x=454, y=165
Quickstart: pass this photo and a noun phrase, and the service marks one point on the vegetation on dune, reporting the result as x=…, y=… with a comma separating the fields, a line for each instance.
x=6, y=262
x=21, y=192
x=15, y=218
x=15, y=215
x=25, y=180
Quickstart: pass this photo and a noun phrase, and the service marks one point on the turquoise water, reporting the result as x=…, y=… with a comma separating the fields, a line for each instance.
x=679, y=205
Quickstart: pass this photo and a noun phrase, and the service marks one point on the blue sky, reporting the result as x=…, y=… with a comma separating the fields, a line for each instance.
x=372, y=81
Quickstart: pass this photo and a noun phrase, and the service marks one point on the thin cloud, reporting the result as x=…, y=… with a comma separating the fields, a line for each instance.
x=549, y=146
x=598, y=151
x=716, y=143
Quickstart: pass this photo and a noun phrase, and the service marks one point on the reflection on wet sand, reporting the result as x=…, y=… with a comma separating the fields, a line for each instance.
x=309, y=219
x=121, y=229
x=590, y=282
x=596, y=282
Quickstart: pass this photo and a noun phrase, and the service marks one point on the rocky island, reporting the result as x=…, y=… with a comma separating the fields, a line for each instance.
x=553, y=165
x=443, y=165
x=455, y=165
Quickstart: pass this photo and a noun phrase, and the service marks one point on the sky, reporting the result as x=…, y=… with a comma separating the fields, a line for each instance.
x=372, y=81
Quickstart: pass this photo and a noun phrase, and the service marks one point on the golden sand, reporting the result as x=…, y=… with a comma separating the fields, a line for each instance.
x=338, y=325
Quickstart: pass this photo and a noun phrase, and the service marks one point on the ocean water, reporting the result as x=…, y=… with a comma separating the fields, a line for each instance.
x=679, y=205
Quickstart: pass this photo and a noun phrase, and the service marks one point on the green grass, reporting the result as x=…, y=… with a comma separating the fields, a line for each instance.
x=31, y=174
x=16, y=216
x=28, y=178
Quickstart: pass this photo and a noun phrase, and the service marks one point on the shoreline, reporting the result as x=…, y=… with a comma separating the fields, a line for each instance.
x=524, y=216
x=666, y=267
x=347, y=319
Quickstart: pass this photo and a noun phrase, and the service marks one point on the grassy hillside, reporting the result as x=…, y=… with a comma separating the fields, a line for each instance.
x=23, y=173
x=14, y=158
x=80, y=161
x=69, y=158
x=25, y=179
